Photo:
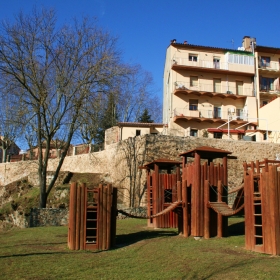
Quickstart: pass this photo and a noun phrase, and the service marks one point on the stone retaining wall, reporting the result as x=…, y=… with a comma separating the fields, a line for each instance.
x=119, y=163
x=48, y=217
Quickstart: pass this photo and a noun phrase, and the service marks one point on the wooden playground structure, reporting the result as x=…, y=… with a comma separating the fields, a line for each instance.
x=191, y=195
x=262, y=204
x=92, y=217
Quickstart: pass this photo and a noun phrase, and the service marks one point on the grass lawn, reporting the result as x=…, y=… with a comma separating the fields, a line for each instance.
x=141, y=253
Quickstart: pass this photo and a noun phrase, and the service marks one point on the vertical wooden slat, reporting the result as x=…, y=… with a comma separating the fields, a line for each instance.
x=82, y=217
x=273, y=209
x=100, y=217
x=104, y=218
x=78, y=219
x=211, y=173
x=114, y=217
x=220, y=217
x=156, y=187
x=109, y=216
x=225, y=172
x=249, y=210
x=72, y=216
x=185, y=209
x=277, y=214
x=266, y=211
x=206, y=210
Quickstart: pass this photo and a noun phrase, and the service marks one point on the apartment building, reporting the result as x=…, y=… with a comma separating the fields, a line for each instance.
x=222, y=93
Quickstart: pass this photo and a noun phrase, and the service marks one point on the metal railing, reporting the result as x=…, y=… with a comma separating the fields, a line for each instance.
x=200, y=63
x=216, y=88
x=210, y=64
x=272, y=65
x=269, y=88
x=216, y=113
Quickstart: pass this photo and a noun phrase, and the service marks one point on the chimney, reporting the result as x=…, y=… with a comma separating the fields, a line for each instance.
x=247, y=43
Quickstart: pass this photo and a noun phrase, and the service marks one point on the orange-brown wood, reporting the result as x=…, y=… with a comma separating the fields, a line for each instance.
x=206, y=210
x=78, y=219
x=220, y=217
x=72, y=216
x=100, y=217
x=82, y=218
x=104, y=218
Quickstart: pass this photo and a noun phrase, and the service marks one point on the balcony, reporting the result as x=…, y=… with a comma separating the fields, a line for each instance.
x=212, y=90
x=217, y=67
x=269, y=66
x=269, y=90
x=211, y=115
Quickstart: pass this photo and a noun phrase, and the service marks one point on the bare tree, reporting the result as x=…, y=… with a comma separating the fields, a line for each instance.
x=55, y=71
x=10, y=127
x=135, y=94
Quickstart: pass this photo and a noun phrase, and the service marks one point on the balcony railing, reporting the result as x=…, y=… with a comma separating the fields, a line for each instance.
x=217, y=88
x=270, y=88
x=200, y=63
x=216, y=113
x=272, y=65
x=181, y=61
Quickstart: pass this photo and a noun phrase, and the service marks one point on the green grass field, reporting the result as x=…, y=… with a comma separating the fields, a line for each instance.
x=141, y=253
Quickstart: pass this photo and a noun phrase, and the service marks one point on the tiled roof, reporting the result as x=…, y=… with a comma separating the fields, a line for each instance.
x=138, y=124
x=206, y=47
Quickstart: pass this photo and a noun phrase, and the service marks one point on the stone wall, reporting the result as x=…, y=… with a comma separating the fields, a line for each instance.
x=48, y=217
x=119, y=162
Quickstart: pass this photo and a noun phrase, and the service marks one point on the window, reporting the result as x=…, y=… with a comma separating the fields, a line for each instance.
x=193, y=57
x=193, y=81
x=217, y=112
x=218, y=135
x=217, y=85
x=239, y=88
x=193, y=105
x=264, y=136
x=193, y=132
x=267, y=83
x=138, y=132
x=239, y=114
x=265, y=61
x=216, y=62
x=240, y=59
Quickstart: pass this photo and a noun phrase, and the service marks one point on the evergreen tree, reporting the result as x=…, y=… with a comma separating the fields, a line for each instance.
x=145, y=117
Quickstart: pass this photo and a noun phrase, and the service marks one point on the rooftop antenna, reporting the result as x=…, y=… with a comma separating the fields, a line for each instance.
x=232, y=42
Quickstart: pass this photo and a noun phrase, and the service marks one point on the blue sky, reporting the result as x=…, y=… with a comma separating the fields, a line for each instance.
x=145, y=27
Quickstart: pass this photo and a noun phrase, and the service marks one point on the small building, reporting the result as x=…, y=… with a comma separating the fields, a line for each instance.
x=124, y=130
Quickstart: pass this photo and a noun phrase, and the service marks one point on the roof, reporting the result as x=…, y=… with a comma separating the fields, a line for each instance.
x=208, y=47
x=206, y=152
x=138, y=124
x=267, y=49
x=163, y=163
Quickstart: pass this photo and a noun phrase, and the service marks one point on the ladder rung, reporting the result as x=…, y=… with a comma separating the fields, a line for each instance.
x=258, y=225
x=258, y=236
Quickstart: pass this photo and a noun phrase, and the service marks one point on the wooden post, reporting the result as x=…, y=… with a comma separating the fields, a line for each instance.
x=72, y=216
x=100, y=216
x=220, y=217
x=109, y=216
x=83, y=217
x=104, y=218
x=206, y=210
x=114, y=217
x=196, y=207
x=78, y=219
x=185, y=209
